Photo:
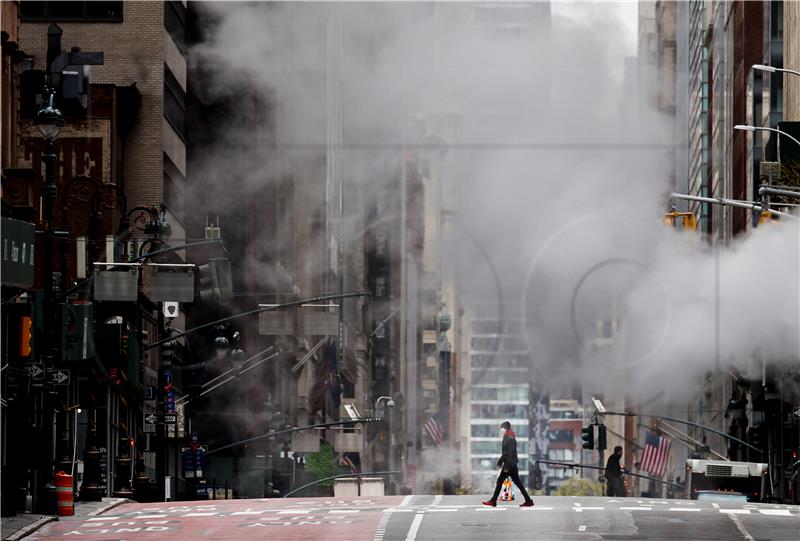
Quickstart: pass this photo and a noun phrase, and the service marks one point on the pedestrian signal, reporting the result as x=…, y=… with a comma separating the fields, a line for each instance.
x=25, y=336
x=587, y=435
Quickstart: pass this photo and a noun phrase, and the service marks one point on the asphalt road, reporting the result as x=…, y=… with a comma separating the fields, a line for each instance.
x=412, y=518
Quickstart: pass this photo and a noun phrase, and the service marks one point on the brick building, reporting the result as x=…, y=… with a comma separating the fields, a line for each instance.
x=120, y=155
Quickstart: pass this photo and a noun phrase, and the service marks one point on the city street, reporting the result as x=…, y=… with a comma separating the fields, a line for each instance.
x=409, y=518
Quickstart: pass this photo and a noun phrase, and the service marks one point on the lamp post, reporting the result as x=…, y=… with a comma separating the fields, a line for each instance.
x=49, y=120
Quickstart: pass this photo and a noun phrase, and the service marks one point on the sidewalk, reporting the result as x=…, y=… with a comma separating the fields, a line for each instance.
x=17, y=527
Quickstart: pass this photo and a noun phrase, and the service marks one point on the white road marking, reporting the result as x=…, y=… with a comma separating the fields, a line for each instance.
x=441, y=510
x=740, y=526
x=735, y=511
x=437, y=499
x=343, y=511
x=778, y=512
x=490, y=508
x=582, y=528
x=295, y=512
x=399, y=510
x=640, y=508
x=200, y=514
x=151, y=516
x=412, y=532
x=715, y=505
x=535, y=508
x=684, y=509
x=381, y=531
x=406, y=500
x=248, y=511
x=580, y=509
x=102, y=518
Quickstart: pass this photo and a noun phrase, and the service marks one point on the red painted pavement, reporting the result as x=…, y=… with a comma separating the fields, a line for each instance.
x=285, y=519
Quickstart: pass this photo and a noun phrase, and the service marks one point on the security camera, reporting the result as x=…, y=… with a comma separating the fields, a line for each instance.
x=171, y=309
x=390, y=403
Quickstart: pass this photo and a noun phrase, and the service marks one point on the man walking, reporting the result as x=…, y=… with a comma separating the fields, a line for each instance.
x=508, y=460
x=615, y=486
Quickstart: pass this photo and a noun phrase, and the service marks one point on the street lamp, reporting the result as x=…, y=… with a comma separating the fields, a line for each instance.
x=389, y=404
x=744, y=127
x=773, y=69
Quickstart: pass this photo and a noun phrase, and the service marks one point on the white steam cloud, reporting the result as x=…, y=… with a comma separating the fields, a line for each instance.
x=557, y=165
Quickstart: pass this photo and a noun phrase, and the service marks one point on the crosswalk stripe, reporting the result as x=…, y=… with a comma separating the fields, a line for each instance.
x=778, y=512
x=685, y=509
x=735, y=511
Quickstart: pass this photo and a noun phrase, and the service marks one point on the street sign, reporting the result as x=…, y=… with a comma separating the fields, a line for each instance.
x=59, y=377
x=35, y=371
x=164, y=418
x=796, y=412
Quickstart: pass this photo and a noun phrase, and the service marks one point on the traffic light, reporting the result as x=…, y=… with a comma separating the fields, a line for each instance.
x=25, y=336
x=766, y=217
x=601, y=437
x=587, y=435
x=215, y=284
x=681, y=220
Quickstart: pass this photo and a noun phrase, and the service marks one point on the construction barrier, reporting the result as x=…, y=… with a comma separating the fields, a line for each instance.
x=64, y=494
x=508, y=491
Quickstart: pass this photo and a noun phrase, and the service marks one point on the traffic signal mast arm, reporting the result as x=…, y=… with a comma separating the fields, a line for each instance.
x=291, y=304
x=690, y=423
x=732, y=203
x=294, y=429
x=148, y=255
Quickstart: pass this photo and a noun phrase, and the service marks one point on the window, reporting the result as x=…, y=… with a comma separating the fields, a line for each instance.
x=560, y=435
x=380, y=286
x=379, y=368
x=175, y=22
x=174, y=182
x=493, y=431
x=499, y=411
x=381, y=245
x=174, y=103
x=100, y=12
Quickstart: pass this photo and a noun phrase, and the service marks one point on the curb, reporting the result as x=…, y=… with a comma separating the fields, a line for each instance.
x=30, y=528
x=109, y=507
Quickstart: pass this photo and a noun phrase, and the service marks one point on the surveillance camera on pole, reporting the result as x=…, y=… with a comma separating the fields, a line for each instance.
x=598, y=406
x=171, y=309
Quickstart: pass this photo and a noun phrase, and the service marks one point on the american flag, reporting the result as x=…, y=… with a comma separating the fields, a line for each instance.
x=435, y=431
x=656, y=454
x=346, y=461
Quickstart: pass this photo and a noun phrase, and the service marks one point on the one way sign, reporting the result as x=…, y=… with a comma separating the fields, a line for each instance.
x=35, y=371
x=151, y=419
x=59, y=377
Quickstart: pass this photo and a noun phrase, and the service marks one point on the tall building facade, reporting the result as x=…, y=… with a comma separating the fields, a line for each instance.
x=725, y=40
x=118, y=74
